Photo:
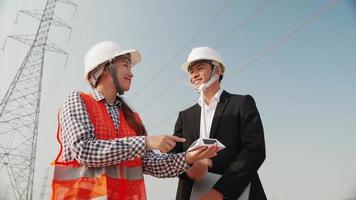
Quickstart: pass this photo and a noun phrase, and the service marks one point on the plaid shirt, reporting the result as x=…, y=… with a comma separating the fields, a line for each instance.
x=79, y=142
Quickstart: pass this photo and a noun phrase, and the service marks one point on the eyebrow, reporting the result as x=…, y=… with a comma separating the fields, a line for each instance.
x=194, y=66
x=126, y=60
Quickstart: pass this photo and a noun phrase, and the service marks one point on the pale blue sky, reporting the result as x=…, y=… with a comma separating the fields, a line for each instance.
x=299, y=65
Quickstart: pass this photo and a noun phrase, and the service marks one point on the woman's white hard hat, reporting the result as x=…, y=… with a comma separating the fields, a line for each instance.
x=103, y=52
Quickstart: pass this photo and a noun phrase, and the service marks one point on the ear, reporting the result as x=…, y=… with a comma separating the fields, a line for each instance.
x=106, y=71
x=219, y=70
x=105, y=75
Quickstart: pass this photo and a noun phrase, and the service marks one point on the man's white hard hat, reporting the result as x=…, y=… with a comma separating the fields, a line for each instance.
x=103, y=52
x=203, y=53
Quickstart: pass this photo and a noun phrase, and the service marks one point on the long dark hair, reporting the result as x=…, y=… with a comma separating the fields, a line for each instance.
x=128, y=113
x=131, y=119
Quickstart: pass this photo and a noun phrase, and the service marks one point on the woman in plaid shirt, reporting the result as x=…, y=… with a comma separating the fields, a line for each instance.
x=104, y=146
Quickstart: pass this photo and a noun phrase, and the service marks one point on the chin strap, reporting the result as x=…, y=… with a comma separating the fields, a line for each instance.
x=113, y=72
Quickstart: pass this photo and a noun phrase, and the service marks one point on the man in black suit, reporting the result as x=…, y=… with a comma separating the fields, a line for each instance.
x=233, y=120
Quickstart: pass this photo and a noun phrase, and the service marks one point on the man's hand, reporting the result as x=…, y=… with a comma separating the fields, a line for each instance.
x=201, y=153
x=212, y=195
x=199, y=169
x=164, y=143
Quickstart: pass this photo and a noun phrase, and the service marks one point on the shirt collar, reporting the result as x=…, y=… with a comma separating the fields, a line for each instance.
x=215, y=98
x=99, y=97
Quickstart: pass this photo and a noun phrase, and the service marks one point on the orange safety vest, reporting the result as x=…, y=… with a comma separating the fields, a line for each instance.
x=123, y=181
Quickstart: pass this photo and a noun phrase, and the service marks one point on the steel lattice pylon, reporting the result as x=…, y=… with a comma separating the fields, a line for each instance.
x=20, y=107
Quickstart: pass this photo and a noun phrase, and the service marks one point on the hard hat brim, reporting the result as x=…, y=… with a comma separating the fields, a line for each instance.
x=134, y=54
x=188, y=63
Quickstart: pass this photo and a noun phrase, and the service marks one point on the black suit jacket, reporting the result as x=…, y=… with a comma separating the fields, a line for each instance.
x=236, y=124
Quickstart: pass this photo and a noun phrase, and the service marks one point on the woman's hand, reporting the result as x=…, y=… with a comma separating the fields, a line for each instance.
x=164, y=143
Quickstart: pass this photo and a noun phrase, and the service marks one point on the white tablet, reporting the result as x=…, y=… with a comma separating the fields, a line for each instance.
x=205, y=142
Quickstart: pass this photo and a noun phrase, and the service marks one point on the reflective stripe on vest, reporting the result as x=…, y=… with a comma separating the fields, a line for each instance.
x=129, y=173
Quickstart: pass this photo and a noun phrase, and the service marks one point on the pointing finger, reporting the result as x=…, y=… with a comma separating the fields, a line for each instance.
x=177, y=139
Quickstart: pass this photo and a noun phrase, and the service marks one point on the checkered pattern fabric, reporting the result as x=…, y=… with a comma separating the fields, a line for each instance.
x=112, y=108
x=80, y=143
x=164, y=165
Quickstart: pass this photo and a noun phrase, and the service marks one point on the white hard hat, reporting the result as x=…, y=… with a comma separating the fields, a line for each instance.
x=203, y=53
x=102, y=52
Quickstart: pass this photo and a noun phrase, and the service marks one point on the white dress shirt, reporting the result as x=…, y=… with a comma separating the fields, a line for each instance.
x=209, y=113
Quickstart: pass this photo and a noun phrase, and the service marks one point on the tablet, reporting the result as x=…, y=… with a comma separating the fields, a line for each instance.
x=205, y=142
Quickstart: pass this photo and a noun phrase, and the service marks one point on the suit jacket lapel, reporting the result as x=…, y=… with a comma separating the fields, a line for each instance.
x=196, y=122
x=224, y=99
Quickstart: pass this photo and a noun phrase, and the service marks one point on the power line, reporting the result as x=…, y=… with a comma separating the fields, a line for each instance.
x=280, y=41
x=244, y=23
x=163, y=91
x=83, y=26
x=166, y=119
x=273, y=46
x=180, y=51
x=239, y=26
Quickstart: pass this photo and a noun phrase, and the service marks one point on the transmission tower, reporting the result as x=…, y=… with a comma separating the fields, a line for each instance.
x=20, y=107
x=4, y=194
